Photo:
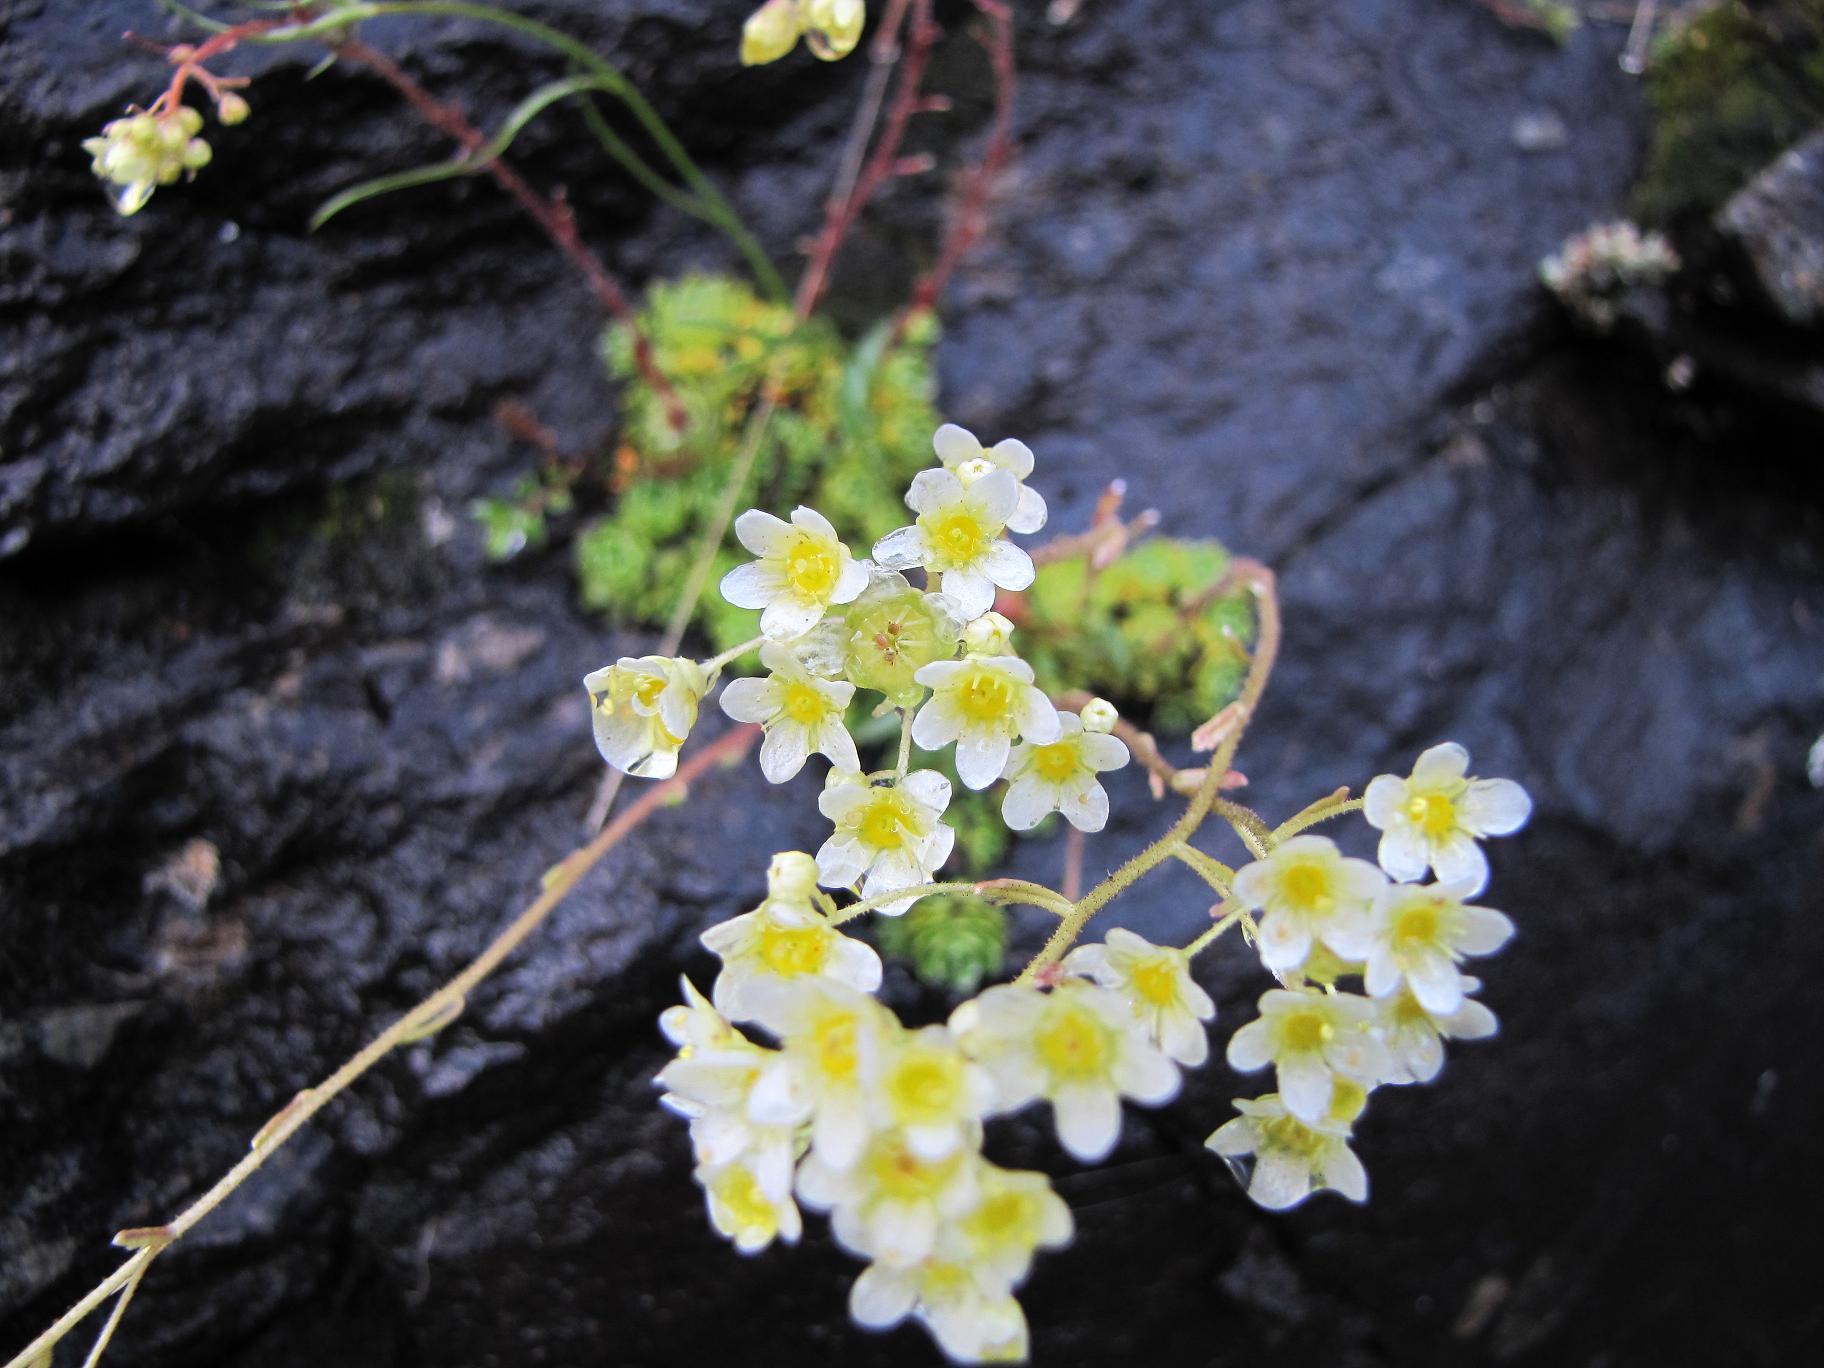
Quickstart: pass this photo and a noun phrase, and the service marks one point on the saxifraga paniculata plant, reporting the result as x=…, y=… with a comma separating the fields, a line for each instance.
x=802, y=1090
x=800, y=1087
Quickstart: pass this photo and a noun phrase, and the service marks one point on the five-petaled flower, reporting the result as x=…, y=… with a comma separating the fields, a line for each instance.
x=1418, y=933
x=1156, y=982
x=803, y=568
x=982, y=703
x=801, y=711
x=960, y=452
x=957, y=536
x=1415, y=1036
x=784, y=940
x=643, y=709
x=1291, y=1159
x=1309, y=892
x=1060, y=776
x=1434, y=818
x=1313, y=1038
x=888, y=836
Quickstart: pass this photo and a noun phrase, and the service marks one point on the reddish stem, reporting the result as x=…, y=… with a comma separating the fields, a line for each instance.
x=972, y=213
x=551, y=213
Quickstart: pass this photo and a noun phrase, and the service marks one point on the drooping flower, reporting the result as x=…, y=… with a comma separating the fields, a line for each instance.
x=1309, y=891
x=642, y=710
x=746, y=1208
x=1060, y=776
x=1156, y=982
x=783, y=940
x=982, y=703
x=1290, y=1158
x=1312, y=1038
x=1078, y=1046
x=931, y=1092
x=830, y=28
x=801, y=712
x=803, y=569
x=1415, y=1036
x=957, y=536
x=1435, y=817
x=894, y=631
x=890, y=1204
x=888, y=836
x=1016, y=1214
x=137, y=154
x=960, y=452
x=832, y=1042
x=970, y=1313
x=1418, y=933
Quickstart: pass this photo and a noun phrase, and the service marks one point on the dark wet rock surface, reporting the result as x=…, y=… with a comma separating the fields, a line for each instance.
x=278, y=752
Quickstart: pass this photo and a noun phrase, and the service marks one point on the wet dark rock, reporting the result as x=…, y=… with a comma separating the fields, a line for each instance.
x=1778, y=221
x=1273, y=261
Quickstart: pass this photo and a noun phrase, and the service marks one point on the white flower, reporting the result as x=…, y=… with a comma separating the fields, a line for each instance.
x=960, y=452
x=931, y=1093
x=711, y=1083
x=1016, y=1214
x=1433, y=818
x=1309, y=892
x=1079, y=1046
x=1291, y=1159
x=1060, y=776
x=642, y=710
x=1419, y=932
x=695, y=1024
x=982, y=703
x=1415, y=1036
x=801, y=714
x=1156, y=982
x=891, y=1203
x=802, y=569
x=1312, y=1038
x=1099, y=715
x=957, y=536
x=781, y=940
x=889, y=836
x=970, y=1313
x=747, y=1209
x=832, y=1038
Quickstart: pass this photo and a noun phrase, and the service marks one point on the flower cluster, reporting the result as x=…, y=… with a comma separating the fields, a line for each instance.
x=1323, y=918
x=804, y=1091
x=1595, y=266
x=143, y=151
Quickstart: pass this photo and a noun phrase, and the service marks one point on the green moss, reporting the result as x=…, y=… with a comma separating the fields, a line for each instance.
x=1729, y=91
x=853, y=426
x=1142, y=632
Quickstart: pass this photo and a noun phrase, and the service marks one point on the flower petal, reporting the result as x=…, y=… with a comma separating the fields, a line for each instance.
x=1495, y=807
x=954, y=445
x=1007, y=566
x=901, y=549
x=1088, y=1120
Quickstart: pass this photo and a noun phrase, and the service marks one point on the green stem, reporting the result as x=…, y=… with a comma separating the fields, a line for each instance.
x=614, y=81
x=905, y=742
x=1248, y=824
x=1211, y=870
x=995, y=891
x=1320, y=811
x=715, y=663
x=1210, y=937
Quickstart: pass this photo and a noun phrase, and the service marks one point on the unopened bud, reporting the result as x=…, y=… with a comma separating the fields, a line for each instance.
x=232, y=109
x=990, y=634
x=1099, y=715
x=770, y=32
x=791, y=877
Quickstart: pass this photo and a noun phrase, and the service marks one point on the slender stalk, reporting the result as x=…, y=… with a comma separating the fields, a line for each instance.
x=1210, y=937
x=1248, y=824
x=444, y=1004
x=1211, y=870
x=120, y=1309
x=715, y=663
x=993, y=890
x=1331, y=805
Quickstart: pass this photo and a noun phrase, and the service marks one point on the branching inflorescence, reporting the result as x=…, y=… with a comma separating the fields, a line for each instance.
x=802, y=1089
x=800, y=1086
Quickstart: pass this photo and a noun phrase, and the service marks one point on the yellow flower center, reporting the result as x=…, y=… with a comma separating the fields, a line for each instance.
x=1157, y=981
x=985, y=696
x=1290, y=1135
x=739, y=1193
x=885, y=822
x=803, y=704
x=944, y=1282
x=925, y=1087
x=812, y=567
x=999, y=1217
x=957, y=536
x=1347, y=1100
x=1305, y=1030
x=834, y=1045
x=1307, y=887
x=902, y=1176
x=791, y=951
x=1433, y=813
x=1074, y=1044
x=1055, y=763
x=648, y=690
x=1408, y=1011
x=1417, y=925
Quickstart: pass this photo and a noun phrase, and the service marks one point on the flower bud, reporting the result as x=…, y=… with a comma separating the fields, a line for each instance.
x=991, y=634
x=231, y=109
x=1099, y=715
x=791, y=876
x=770, y=32
x=833, y=27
